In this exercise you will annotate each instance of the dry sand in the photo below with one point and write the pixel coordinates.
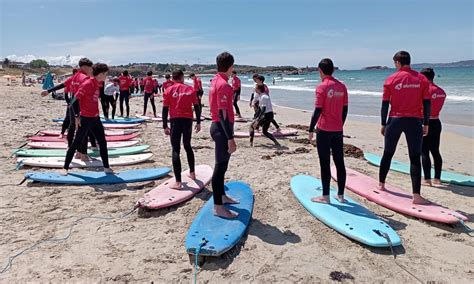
(284, 242)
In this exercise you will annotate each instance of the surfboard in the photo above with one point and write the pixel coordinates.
(107, 138)
(163, 196)
(221, 234)
(63, 145)
(117, 120)
(149, 117)
(281, 133)
(113, 152)
(52, 132)
(397, 199)
(58, 162)
(88, 177)
(446, 176)
(349, 218)
(115, 126)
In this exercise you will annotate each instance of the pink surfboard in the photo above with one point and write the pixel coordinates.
(281, 133)
(63, 145)
(52, 132)
(108, 138)
(396, 199)
(163, 196)
(116, 125)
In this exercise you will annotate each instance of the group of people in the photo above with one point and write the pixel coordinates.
(413, 99)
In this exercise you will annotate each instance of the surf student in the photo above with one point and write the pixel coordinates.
(222, 131)
(136, 85)
(197, 87)
(125, 83)
(432, 140)
(110, 90)
(167, 83)
(67, 98)
(236, 87)
(330, 112)
(260, 81)
(142, 85)
(150, 86)
(88, 96)
(406, 93)
(102, 98)
(178, 102)
(265, 115)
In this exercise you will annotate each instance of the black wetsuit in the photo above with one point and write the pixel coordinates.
(124, 96)
(236, 100)
(431, 144)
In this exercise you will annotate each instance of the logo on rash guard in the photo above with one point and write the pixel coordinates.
(435, 95)
(400, 86)
(175, 95)
(332, 93)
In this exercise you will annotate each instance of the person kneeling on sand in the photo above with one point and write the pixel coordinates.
(265, 115)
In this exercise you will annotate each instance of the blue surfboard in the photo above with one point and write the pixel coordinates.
(88, 177)
(113, 121)
(349, 218)
(221, 234)
(447, 177)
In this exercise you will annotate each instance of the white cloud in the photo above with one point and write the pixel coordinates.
(52, 60)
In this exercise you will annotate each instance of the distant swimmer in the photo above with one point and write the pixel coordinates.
(236, 87)
(406, 93)
(273, 81)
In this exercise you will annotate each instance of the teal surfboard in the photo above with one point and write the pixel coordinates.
(447, 177)
(212, 235)
(113, 152)
(349, 218)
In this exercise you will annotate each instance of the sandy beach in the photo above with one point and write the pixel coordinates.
(284, 242)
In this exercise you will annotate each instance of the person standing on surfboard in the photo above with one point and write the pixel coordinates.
(222, 131)
(125, 83)
(330, 114)
(178, 101)
(236, 86)
(432, 140)
(197, 87)
(88, 97)
(406, 93)
(149, 87)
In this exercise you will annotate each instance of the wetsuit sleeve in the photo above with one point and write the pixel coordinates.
(57, 87)
(384, 112)
(164, 115)
(315, 118)
(197, 112)
(426, 111)
(344, 113)
(251, 97)
(225, 123)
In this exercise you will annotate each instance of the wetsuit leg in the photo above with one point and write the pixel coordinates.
(267, 119)
(222, 158)
(425, 155)
(152, 101)
(187, 134)
(97, 131)
(275, 124)
(393, 130)
(175, 136)
(127, 98)
(80, 136)
(122, 98)
(323, 144)
(435, 130)
(413, 129)
(236, 106)
(72, 127)
(113, 103)
(105, 106)
(145, 103)
(66, 122)
(337, 149)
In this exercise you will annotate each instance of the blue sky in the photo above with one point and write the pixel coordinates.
(292, 32)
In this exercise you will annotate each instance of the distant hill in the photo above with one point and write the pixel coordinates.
(464, 63)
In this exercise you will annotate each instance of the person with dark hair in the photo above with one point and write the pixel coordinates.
(260, 81)
(197, 87)
(149, 88)
(264, 117)
(236, 86)
(110, 90)
(222, 131)
(406, 93)
(330, 113)
(142, 86)
(125, 83)
(88, 97)
(178, 102)
(432, 140)
(167, 83)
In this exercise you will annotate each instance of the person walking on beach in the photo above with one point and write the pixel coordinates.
(110, 90)
(329, 115)
(222, 131)
(125, 83)
(197, 87)
(406, 93)
(178, 102)
(236, 86)
(150, 86)
(89, 120)
(432, 140)
(264, 117)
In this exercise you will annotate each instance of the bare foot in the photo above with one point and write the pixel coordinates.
(426, 182)
(61, 136)
(192, 176)
(63, 172)
(229, 200)
(437, 181)
(221, 211)
(381, 186)
(176, 185)
(417, 199)
(109, 171)
(85, 158)
(322, 199)
(78, 156)
(340, 198)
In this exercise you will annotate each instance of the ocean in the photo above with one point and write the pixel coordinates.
(365, 93)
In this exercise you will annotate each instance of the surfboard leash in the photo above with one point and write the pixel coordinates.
(198, 250)
(51, 239)
(387, 237)
(466, 227)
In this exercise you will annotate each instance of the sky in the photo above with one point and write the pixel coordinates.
(354, 33)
